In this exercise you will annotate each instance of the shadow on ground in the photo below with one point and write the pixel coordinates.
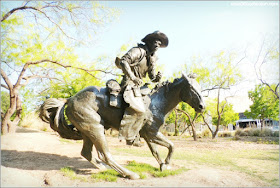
(30, 160)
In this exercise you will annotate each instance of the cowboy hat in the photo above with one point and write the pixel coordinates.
(157, 35)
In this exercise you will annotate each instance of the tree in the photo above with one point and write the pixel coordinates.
(266, 65)
(216, 77)
(227, 114)
(38, 40)
(265, 103)
(190, 117)
(5, 102)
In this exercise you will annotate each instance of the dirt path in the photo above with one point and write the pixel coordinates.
(34, 158)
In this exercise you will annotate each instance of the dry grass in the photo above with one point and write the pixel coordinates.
(33, 121)
(259, 161)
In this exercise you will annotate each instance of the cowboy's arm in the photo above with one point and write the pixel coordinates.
(129, 58)
(152, 73)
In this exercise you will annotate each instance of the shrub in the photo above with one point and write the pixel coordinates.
(206, 133)
(276, 134)
(248, 132)
(224, 134)
(198, 135)
(32, 120)
(236, 137)
(240, 132)
(256, 132)
(266, 132)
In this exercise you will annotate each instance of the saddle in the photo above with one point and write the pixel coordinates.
(116, 94)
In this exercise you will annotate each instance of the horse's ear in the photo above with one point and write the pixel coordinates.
(185, 77)
(192, 75)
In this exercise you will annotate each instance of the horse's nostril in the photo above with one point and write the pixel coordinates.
(200, 106)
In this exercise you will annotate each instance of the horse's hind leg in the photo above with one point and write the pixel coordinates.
(97, 136)
(87, 153)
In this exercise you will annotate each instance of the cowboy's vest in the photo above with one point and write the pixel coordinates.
(140, 63)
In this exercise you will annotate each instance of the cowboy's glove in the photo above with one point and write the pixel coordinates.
(158, 77)
(137, 81)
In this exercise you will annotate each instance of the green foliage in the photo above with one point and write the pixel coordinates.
(73, 82)
(265, 104)
(228, 116)
(5, 101)
(51, 33)
(216, 74)
(219, 73)
(171, 117)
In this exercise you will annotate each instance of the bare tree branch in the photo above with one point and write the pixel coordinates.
(28, 78)
(38, 10)
(4, 86)
(14, 10)
(270, 88)
(7, 80)
(207, 124)
(213, 88)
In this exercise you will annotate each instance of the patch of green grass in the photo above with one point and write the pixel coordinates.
(69, 172)
(140, 168)
(108, 175)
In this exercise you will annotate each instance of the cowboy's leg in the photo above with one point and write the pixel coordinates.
(131, 124)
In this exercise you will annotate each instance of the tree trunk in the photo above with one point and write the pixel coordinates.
(176, 133)
(217, 128)
(212, 133)
(194, 132)
(262, 122)
(219, 115)
(7, 125)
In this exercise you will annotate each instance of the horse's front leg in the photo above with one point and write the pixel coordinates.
(160, 139)
(153, 149)
(155, 137)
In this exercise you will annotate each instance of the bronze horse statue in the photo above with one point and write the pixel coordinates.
(90, 114)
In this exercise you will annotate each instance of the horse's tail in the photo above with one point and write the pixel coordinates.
(52, 112)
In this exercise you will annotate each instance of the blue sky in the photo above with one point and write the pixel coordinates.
(193, 28)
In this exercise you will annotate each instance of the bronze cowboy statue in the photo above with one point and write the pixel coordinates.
(131, 107)
(136, 64)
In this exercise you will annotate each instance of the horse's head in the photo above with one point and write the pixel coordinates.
(191, 93)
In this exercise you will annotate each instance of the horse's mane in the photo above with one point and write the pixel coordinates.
(167, 85)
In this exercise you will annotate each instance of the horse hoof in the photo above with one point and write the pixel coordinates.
(164, 166)
(133, 176)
